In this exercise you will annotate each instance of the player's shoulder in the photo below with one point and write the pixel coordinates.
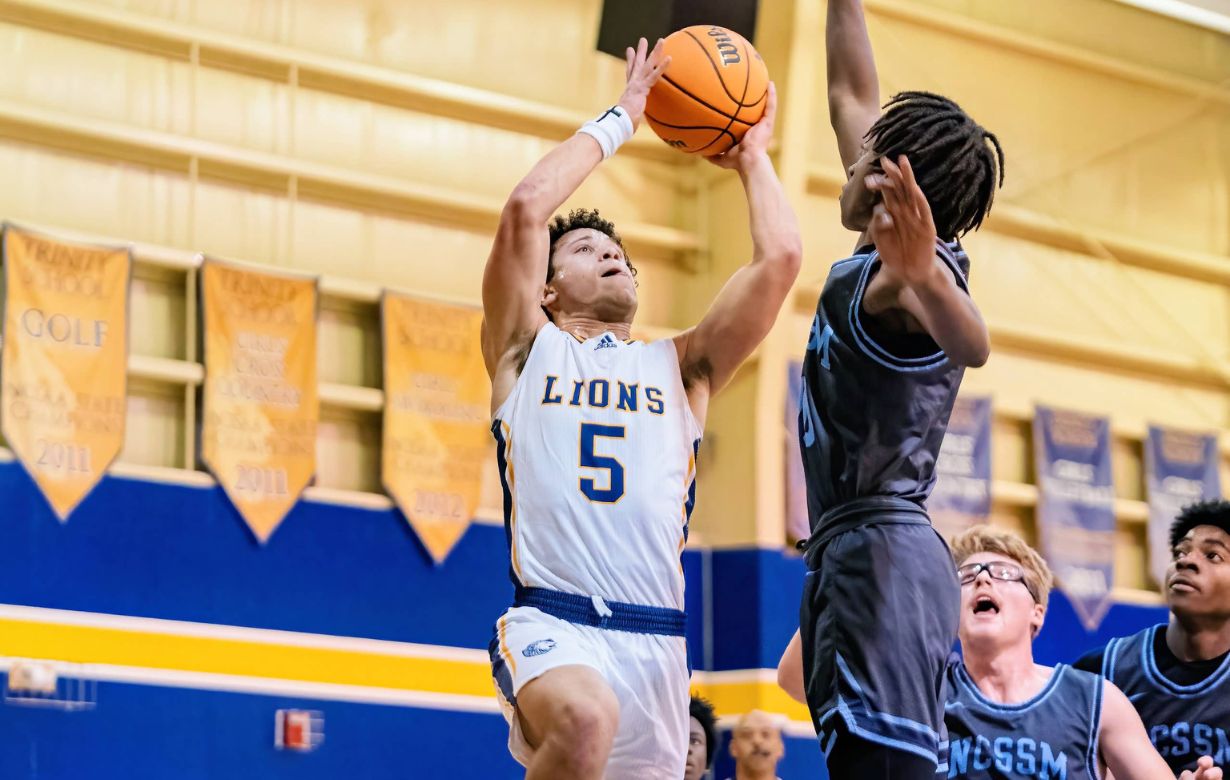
(1091, 662)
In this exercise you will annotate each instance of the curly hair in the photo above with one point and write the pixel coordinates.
(578, 219)
(1215, 513)
(959, 164)
(702, 710)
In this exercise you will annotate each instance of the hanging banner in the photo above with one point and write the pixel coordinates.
(798, 526)
(261, 407)
(437, 412)
(1076, 507)
(65, 362)
(961, 498)
(1180, 468)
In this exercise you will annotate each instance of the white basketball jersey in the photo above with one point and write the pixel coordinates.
(597, 452)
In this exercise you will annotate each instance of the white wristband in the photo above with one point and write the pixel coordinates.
(611, 130)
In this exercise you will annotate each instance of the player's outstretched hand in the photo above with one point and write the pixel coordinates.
(901, 223)
(755, 141)
(1204, 771)
(644, 69)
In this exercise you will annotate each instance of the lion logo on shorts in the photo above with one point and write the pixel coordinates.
(541, 647)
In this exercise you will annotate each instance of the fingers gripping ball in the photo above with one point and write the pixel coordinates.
(714, 89)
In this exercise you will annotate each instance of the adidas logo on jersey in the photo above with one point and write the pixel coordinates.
(606, 342)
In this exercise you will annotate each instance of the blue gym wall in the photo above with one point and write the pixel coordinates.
(168, 551)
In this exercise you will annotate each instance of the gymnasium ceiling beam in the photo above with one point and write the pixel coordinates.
(143, 33)
(277, 173)
(1043, 229)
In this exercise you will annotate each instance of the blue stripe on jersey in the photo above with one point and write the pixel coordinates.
(691, 502)
(873, 349)
(971, 688)
(1155, 676)
(501, 459)
(499, 669)
(1095, 729)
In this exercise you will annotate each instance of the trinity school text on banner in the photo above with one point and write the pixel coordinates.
(261, 405)
(65, 361)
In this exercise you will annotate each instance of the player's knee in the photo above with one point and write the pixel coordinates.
(585, 729)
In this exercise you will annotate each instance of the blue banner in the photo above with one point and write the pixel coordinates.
(1180, 468)
(962, 495)
(797, 525)
(1076, 507)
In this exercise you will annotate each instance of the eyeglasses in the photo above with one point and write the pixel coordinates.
(999, 570)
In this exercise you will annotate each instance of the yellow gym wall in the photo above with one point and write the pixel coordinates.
(373, 142)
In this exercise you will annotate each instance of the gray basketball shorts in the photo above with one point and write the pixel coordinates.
(878, 621)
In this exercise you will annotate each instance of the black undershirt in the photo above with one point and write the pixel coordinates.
(1177, 671)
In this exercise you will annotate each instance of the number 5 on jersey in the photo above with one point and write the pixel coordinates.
(591, 435)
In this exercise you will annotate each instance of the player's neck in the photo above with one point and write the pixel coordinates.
(743, 773)
(1192, 639)
(588, 327)
(1007, 675)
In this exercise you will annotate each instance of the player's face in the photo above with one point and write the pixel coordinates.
(695, 768)
(757, 744)
(857, 201)
(1198, 578)
(592, 278)
(997, 610)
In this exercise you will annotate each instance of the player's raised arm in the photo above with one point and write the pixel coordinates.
(747, 306)
(516, 269)
(853, 87)
(905, 236)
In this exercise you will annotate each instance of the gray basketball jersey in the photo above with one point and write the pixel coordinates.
(1053, 736)
(871, 419)
(1185, 722)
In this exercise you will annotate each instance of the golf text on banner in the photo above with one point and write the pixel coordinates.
(437, 412)
(962, 495)
(65, 361)
(1076, 507)
(1180, 468)
(261, 406)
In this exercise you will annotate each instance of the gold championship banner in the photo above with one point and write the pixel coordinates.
(436, 417)
(261, 407)
(65, 362)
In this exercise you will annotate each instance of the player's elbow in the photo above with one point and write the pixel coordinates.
(974, 355)
(783, 261)
(524, 207)
(792, 259)
(790, 680)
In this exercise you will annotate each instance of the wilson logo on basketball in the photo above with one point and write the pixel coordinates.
(725, 46)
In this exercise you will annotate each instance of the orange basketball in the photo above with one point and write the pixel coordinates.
(714, 89)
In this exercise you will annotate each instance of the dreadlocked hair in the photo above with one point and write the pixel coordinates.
(957, 162)
(1215, 512)
(576, 220)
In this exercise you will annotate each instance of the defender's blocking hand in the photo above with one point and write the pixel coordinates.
(901, 224)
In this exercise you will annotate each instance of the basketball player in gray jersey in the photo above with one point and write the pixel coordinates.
(895, 328)
(1178, 675)
(1009, 717)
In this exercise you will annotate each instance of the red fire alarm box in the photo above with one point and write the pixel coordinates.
(301, 730)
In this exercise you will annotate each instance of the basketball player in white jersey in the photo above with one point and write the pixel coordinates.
(597, 436)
